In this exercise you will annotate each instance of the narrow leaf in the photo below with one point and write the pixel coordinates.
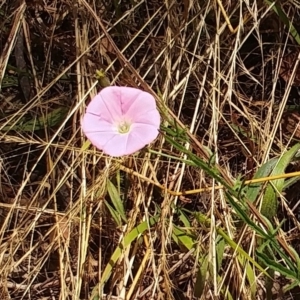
(116, 200)
(284, 18)
(128, 239)
(49, 120)
(270, 202)
(114, 214)
(220, 247)
(276, 266)
(183, 238)
(201, 277)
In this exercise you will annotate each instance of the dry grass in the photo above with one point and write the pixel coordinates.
(229, 79)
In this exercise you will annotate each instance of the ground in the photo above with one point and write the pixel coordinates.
(180, 219)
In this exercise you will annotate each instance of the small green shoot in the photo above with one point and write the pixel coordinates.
(118, 212)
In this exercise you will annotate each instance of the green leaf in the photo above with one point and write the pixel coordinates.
(114, 214)
(232, 243)
(294, 283)
(220, 247)
(274, 166)
(284, 18)
(116, 200)
(267, 235)
(239, 250)
(253, 189)
(270, 202)
(201, 277)
(250, 274)
(184, 219)
(272, 232)
(296, 256)
(290, 181)
(49, 120)
(276, 266)
(181, 237)
(128, 239)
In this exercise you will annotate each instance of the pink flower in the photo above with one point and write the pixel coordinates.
(121, 120)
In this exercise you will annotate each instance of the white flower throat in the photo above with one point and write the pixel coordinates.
(124, 127)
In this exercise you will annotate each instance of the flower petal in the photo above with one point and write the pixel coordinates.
(97, 130)
(128, 96)
(125, 144)
(151, 118)
(117, 146)
(140, 105)
(107, 104)
(142, 134)
(116, 104)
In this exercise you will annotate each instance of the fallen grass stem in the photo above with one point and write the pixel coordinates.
(207, 189)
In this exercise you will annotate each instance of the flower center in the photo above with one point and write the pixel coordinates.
(123, 127)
